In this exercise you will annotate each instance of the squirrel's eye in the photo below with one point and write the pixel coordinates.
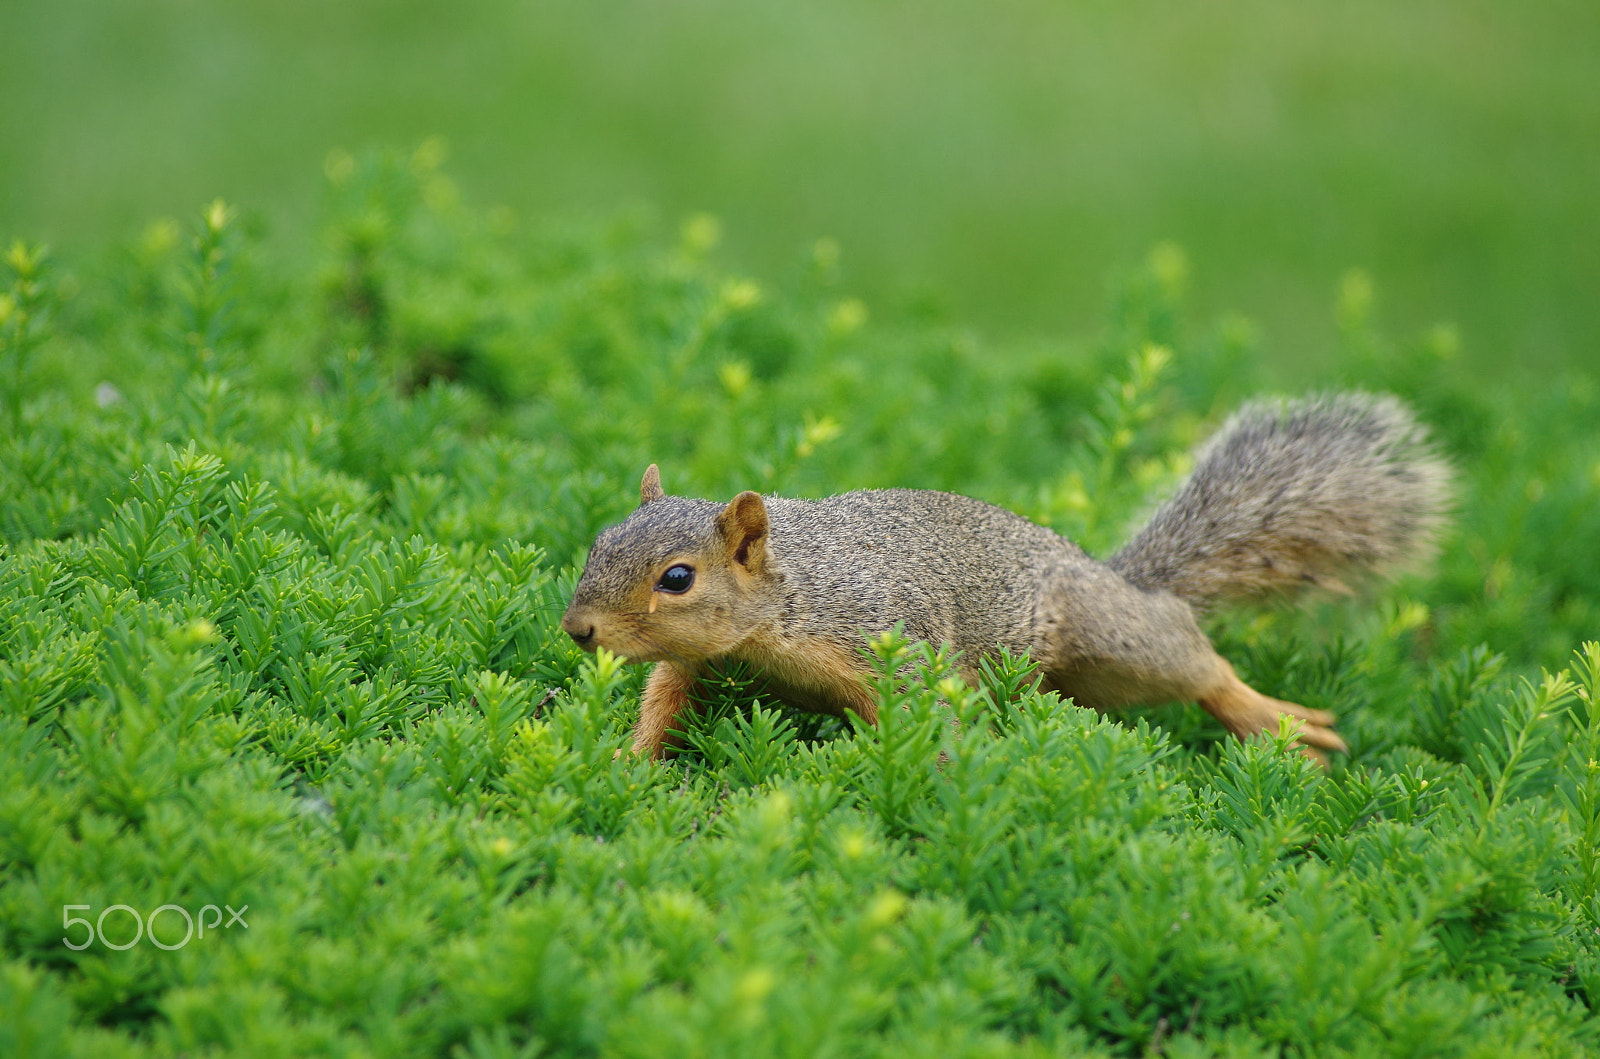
(677, 579)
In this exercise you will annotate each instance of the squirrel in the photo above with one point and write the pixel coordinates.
(1285, 496)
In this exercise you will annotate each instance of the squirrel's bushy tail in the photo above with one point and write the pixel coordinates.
(1292, 495)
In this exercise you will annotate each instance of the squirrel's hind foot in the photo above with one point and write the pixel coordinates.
(1245, 712)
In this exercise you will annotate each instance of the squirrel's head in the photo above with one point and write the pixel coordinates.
(680, 580)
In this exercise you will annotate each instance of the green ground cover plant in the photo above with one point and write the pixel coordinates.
(295, 759)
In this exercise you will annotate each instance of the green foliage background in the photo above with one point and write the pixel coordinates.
(989, 163)
(285, 550)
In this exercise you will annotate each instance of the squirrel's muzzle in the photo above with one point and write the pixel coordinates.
(579, 627)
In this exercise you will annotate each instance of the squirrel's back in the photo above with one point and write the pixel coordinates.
(952, 568)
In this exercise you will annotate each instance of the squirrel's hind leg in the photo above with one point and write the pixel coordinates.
(1108, 645)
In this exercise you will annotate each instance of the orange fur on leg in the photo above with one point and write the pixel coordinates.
(666, 693)
(1244, 711)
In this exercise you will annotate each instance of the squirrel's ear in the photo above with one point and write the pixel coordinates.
(650, 488)
(743, 524)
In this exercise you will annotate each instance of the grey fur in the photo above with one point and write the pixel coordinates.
(1290, 495)
(865, 560)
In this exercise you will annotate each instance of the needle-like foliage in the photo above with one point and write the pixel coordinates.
(282, 561)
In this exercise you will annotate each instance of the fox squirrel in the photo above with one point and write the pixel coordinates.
(1285, 496)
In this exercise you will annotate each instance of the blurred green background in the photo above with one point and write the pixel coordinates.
(996, 164)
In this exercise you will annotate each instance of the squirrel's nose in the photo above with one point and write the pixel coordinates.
(580, 629)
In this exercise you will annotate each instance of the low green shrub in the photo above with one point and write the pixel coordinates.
(295, 759)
